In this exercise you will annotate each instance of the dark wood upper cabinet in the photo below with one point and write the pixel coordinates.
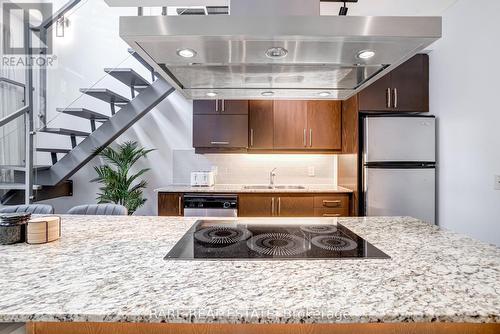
(290, 124)
(205, 107)
(220, 131)
(324, 125)
(406, 88)
(213, 107)
(376, 97)
(234, 107)
(261, 124)
(410, 85)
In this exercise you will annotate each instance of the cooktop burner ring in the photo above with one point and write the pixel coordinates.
(334, 243)
(220, 235)
(277, 244)
(319, 229)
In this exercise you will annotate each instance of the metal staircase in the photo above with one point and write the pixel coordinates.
(52, 181)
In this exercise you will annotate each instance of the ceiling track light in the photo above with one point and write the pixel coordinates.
(343, 10)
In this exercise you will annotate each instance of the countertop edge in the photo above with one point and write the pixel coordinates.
(239, 189)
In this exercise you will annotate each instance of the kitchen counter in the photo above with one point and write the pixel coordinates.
(240, 188)
(111, 269)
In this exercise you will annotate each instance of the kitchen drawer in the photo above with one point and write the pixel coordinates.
(331, 212)
(331, 201)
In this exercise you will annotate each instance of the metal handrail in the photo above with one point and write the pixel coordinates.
(14, 115)
(12, 82)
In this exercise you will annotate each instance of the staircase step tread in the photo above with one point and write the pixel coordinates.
(84, 113)
(140, 60)
(21, 168)
(65, 132)
(129, 77)
(105, 95)
(53, 150)
(19, 186)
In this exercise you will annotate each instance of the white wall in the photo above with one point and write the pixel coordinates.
(464, 95)
(92, 43)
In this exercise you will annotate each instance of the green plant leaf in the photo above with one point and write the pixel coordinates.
(116, 178)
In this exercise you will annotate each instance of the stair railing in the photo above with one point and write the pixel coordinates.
(28, 110)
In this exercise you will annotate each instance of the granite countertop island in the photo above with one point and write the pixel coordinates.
(111, 269)
(240, 188)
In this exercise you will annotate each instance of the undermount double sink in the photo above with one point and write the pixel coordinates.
(262, 187)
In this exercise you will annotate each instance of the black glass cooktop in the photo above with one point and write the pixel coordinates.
(268, 239)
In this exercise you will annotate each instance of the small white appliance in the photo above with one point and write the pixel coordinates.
(202, 179)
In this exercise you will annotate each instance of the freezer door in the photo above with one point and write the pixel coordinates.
(401, 192)
(399, 139)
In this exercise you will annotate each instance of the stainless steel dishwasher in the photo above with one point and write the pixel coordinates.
(210, 205)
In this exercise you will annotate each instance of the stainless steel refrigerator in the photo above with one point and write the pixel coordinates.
(399, 166)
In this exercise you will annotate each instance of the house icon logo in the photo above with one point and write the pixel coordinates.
(23, 25)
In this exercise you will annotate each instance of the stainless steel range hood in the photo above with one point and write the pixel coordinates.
(276, 57)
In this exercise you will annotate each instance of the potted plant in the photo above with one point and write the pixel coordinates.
(119, 185)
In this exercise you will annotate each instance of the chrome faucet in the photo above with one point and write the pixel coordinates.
(272, 176)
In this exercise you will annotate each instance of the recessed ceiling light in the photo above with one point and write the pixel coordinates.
(324, 94)
(268, 93)
(211, 94)
(276, 52)
(366, 54)
(186, 53)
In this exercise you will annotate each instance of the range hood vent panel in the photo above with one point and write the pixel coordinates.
(270, 76)
(320, 53)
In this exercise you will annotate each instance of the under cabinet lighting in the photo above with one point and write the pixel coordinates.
(269, 93)
(211, 94)
(324, 94)
(186, 53)
(366, 54)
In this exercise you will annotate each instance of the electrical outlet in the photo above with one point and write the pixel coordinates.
(310, 171)
(497, 182)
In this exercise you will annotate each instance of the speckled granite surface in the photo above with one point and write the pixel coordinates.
(112, 269)
(239, 188)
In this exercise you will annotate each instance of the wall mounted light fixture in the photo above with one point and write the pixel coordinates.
(61, 24)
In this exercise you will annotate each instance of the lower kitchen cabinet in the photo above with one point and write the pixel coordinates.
(256, 205)
(170, 204)
(293, 205)
(331, 205)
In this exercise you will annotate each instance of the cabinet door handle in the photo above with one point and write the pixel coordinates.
(388, 98)
(223, 105)
(272, 206)
(395, 97)
(251, 137)
(216, 105)
(279, 206)
(332, 203)
(331, 215)
(219, 142)
(180, 205)
(305, 138)
(310, 137)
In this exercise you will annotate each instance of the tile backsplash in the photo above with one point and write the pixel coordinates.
(255, 168)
